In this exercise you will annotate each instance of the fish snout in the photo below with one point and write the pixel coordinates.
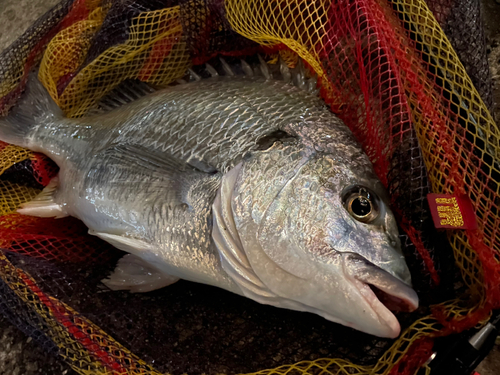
(383, 292)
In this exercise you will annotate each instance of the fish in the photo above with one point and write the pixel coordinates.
(245, 182)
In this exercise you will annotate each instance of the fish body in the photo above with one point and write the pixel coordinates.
(245, 183)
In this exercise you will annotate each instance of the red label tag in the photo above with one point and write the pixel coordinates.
(452, 212)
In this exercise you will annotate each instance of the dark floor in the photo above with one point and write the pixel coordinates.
(19, 355)
(491, 12)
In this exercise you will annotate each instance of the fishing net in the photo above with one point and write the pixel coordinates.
(385, 67)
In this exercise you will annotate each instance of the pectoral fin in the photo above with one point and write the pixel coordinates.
(135, 173)
(134, 274)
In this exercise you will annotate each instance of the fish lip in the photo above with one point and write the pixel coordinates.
(366, 274)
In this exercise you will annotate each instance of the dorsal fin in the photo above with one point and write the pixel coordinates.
(131, 90)
(226, 67)
(125, 93)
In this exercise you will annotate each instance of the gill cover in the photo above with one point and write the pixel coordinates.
(277, 229)
(235, 233)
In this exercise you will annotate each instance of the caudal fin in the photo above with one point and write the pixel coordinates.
(34, 108)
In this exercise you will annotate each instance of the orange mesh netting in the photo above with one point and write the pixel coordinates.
(384, 66)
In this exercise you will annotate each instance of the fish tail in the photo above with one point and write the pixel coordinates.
(34, 108)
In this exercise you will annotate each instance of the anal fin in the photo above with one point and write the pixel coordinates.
(43, 205)
(134, 274)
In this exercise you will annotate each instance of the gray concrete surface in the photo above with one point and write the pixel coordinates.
(17, 15)
(491, 12)
(19, 355)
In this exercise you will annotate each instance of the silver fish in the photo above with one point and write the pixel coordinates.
(246, 183)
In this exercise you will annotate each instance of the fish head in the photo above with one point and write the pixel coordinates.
(319, 236)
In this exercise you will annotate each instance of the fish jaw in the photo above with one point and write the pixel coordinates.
(265, 253)
(367, 278)
(338, 289)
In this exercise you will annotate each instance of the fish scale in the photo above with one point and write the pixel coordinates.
(178, 179)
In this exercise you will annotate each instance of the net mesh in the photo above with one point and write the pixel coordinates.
(384, 66)
(462, 23)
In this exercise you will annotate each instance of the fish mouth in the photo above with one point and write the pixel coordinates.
(383, 292)
(393, 303)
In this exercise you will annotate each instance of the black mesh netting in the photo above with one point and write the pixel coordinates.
(463, 24)
(195, 328)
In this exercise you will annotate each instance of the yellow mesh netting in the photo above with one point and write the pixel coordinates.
(13, 194)
(154, 53)
(257, 20)
(72, 333)
(27, 52)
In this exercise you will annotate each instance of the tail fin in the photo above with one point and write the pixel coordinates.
(35, 108)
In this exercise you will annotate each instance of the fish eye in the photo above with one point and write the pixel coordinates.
(361, 203)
